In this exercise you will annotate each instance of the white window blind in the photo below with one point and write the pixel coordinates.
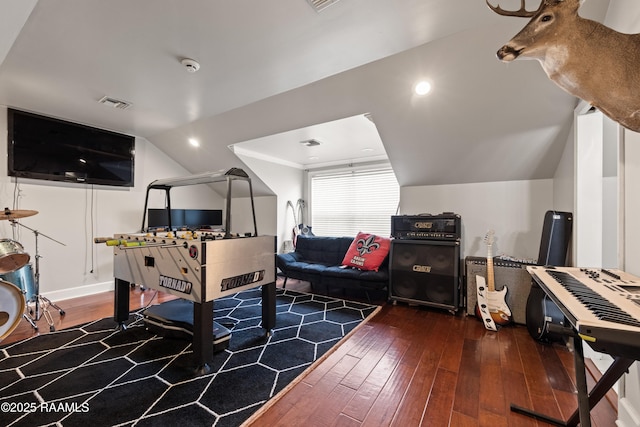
(344, 203)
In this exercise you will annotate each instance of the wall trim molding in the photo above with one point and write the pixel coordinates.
(79, 291)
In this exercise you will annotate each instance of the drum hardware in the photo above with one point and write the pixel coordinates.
(12, 305)
(41, 303)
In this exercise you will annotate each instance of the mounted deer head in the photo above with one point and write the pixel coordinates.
(583, 57)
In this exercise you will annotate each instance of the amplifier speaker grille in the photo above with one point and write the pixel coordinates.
(513, 275)
(425, 273)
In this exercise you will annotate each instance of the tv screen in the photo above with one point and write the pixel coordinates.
(202, 218)
(41, 147)
(159, 218)
(193, 219)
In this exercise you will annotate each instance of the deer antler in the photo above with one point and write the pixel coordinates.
(523, 12)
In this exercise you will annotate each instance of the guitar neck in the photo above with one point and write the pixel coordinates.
(491, 286)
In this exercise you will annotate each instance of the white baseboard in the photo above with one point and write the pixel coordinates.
(79, 291)
(627, 415)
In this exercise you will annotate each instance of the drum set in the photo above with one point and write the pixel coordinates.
(19, 283)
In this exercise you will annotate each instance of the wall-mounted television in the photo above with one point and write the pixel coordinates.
(42, 147)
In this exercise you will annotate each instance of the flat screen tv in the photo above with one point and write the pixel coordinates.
(41, 147)
(202, 218)
(159, 218)
(193, 219)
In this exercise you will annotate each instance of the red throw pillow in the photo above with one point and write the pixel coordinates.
(367, 251)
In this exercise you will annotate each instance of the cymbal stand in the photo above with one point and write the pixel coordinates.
(41, 302)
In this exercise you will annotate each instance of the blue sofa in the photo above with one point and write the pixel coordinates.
(318, 260)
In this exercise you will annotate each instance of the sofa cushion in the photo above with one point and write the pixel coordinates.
(367, 252)
(307, 267)
(342, 272)
(325, 250)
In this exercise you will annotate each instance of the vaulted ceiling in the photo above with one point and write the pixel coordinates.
(271, 67)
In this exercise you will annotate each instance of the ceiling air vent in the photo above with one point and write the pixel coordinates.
(310, 142)
(115, 103)
(320, 5)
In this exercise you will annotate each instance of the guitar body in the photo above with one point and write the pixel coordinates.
(498, 308)
(495, 300)
(303, 228)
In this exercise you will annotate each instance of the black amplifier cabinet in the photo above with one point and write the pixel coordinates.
(425, 272)
(445, 226)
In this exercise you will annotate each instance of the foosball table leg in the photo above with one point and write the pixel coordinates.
(121, 303)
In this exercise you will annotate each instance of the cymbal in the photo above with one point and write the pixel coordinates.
(16, 214)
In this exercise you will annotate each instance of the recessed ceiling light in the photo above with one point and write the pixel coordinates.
(314, 158)
(422, 88)
(194, 142)
(367, 150)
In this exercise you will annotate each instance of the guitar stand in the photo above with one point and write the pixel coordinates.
(586, 400)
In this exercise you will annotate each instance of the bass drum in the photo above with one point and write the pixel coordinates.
(540, 313)
(12, 306)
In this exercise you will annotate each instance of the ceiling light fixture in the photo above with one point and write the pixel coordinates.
(194, 142)
(422, 88)
(190, 64)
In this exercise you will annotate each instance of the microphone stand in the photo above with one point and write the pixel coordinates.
(41, 302)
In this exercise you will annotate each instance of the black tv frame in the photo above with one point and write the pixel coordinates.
(125, 154)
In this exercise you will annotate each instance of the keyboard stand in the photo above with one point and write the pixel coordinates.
(586, 400)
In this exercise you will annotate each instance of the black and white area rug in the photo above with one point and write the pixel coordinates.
(94, 375)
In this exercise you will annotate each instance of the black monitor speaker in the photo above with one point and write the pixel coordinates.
(425, 272)
(556, 235)
(541, 312)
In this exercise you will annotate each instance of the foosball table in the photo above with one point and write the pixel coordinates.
(199, 267)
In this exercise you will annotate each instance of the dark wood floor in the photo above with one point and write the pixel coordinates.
(408, 366)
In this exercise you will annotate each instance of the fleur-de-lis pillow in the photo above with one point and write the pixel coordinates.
(367, 251)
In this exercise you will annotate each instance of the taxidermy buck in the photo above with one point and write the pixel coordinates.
(583, 57)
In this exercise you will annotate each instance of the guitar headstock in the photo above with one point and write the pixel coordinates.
(489, 237)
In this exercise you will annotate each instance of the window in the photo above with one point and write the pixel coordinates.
(346, 202)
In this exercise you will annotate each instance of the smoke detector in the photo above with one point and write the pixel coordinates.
(191, 65)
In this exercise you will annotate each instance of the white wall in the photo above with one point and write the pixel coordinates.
(514, 209)
(75, 213)
(287, 183)
(563, 180)
(624, 16)
(242, 218)
(629, 415)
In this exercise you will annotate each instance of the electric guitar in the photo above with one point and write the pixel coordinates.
(294, 230)
(496, 300)
(303, 228)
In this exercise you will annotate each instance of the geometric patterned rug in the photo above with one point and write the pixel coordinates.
(95, 375)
